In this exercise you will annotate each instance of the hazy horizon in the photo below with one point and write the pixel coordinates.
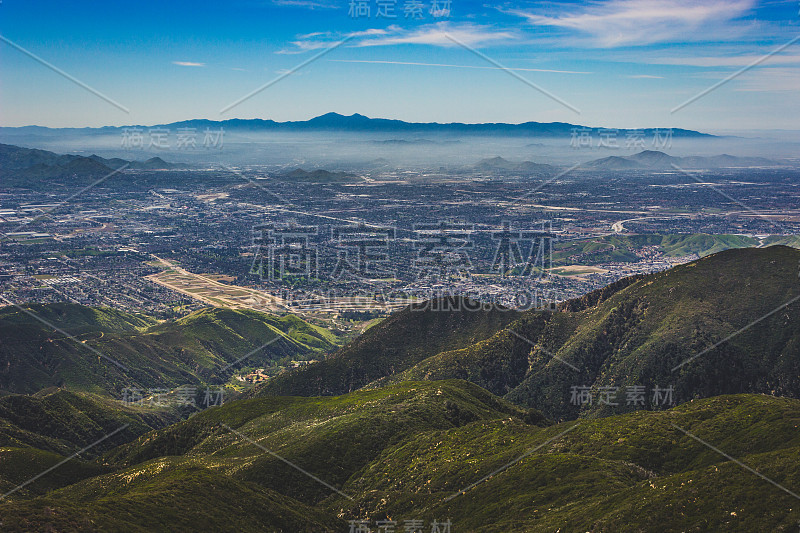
(708, 65)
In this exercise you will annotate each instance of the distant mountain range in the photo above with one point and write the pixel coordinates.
(655, 160)
(361, 123)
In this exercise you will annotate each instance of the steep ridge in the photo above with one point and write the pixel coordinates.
(399, 342)
(713, 326)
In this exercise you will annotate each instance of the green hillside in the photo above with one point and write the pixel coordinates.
(171, 496)
(618, 248)
(451, 410)
(37, 432)
(117, 350)
(64, 422)
(76, 319)
(443, 450)
(652, 333)
(159, 480)
(322, 434)
(786, 240)
(635, 332)
(636, 472)
(19, 467)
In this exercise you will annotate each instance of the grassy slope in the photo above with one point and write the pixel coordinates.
(18, 466)
(334, 437)
(168, 496)
(64, 421)
(498, 364)
(189, 351)
(170, 478)
(39, 432)
(635, 472)
(401, 451)
(638, 335)
(75, 319)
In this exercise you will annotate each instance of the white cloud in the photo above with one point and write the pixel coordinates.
(637, 22)
(306, 45)
(314, 34)
(374, 31)
(437, 35)
(188, 64)
(431, 34)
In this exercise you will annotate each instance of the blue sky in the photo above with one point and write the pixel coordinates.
(615, 63)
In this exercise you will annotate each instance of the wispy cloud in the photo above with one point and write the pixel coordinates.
(414, 63)
(645, 77)
(320, 40)
(429, 34)
(188, 64)
(312, 35)
(437, 35)
(640, 22)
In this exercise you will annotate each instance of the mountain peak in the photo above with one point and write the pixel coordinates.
(329, 115)
(339, 117)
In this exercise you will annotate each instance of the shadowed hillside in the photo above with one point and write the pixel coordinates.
(714, 326)
(399, 342)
